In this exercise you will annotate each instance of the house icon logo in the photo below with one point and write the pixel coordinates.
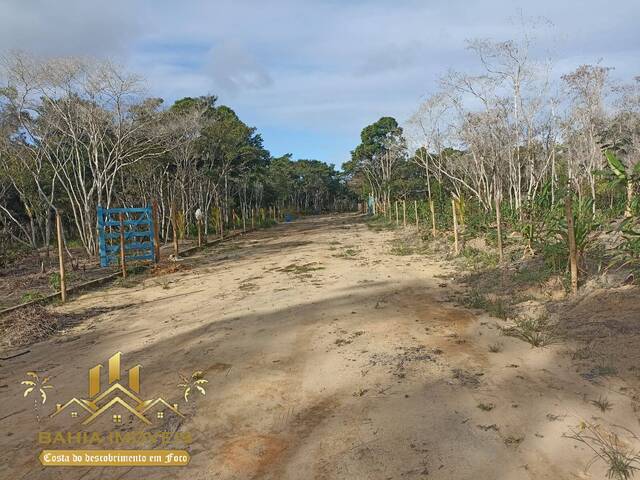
(116, 398)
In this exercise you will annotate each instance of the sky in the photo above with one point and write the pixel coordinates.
(311, 74)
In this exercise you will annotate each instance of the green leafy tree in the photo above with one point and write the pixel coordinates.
(382, 147)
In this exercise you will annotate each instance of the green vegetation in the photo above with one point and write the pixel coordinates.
(539, 332)
(496, 307)
(519, 162)
(30, 296)
(479, 260)
(106, 144)
(622, 461)
(54, 281)
(603, 404)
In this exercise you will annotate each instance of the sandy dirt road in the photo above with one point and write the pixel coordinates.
(327, 358)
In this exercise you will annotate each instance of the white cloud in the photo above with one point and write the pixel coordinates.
(328, 67)
(234, 68)
(69, 27)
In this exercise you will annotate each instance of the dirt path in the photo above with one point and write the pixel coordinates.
(327, 358)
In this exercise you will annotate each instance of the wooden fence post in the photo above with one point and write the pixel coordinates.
(205, 235)
(415, 211)
(174, 224)
(63, 287)
(571, 238)
(499, 227)
(455, 227)
(433, 218)
(244, 220)
(404, 214)
(156, 232)
(397, 218)
(122, 243)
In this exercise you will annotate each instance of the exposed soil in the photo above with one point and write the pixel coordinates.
(328, 357)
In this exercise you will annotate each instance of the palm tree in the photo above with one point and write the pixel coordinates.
(37, 384)
(196, 381)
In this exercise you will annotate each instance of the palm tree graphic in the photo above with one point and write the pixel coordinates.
(194, 382)
(36, 385)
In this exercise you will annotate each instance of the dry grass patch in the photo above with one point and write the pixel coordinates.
(301, 269)
(622, 461)
(168, 269)
(31, 324)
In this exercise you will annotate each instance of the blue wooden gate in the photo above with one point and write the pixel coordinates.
(138, 234)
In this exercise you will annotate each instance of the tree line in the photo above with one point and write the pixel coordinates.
(516, 138)
(76, 133)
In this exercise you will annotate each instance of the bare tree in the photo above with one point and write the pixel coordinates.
(86, 119)
(586, 118)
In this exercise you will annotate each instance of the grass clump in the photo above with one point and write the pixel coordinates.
(495, 347)
(539, 332)
(30, 296)
(602, 403)
(379, 223)
(622, 461)
(479, 260)
(532, 276)
(401, 247)
(495, 307)
(486, 407)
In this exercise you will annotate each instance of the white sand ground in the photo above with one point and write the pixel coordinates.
(327, 358)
